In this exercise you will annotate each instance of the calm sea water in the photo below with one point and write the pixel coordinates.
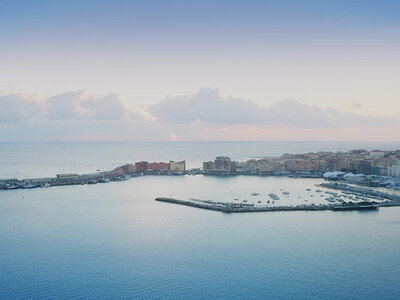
(112, 241)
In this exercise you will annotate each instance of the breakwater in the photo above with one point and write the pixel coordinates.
(241, 208)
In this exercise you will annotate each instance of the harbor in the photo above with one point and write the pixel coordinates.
(291, 195)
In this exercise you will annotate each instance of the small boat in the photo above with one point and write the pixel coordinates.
(46, 185)
(308, 190)
(285, 192)
(267, 201)
(29, 186)
(254, 193)
(12, 187)
(273, 196)
(258, 201)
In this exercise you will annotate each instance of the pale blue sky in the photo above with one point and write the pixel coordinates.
(340, 54)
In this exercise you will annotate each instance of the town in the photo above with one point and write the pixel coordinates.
(376, 162)
(370, 168)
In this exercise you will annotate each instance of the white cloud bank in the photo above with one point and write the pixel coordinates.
(205, 115)
(14, 108)
(209, 106)
(69, 105)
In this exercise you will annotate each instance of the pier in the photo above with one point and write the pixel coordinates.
(242, 208)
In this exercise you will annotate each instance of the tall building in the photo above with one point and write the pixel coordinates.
(222, 164)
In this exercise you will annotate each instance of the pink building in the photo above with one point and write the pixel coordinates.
(158, 166)
(141, 166)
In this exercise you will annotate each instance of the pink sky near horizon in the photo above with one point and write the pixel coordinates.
(206, 115)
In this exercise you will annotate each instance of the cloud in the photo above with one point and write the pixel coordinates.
(72, 105)
(209, 106)
(66, 106)
(14, 108)
(205, 115)
(293, 113)
(105, 108)
(205, 105)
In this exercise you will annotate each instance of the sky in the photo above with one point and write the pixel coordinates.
(199, 70)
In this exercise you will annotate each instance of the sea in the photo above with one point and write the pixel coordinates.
(114, 241)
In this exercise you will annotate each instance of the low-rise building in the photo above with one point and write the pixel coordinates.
(67, 176)
(376, 154)
(118, 171)
(158, 166)
(128, 168)
(240, 166)
(208, 166)
(141, 166)
(177, 166)
(291, 164)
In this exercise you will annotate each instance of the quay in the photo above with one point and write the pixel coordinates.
(361, 191)
(241, 208)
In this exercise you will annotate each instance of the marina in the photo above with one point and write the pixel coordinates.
(296, 195)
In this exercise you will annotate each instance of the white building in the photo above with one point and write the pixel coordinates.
(394, 171)
(357, 178)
